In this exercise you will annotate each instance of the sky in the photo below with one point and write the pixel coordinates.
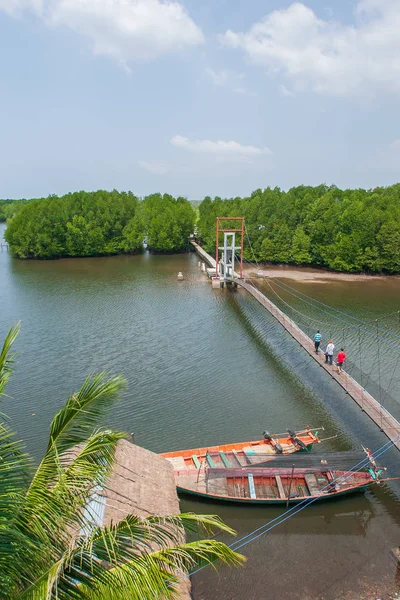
(197, 97)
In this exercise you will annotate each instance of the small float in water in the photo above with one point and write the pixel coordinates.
(243, 454)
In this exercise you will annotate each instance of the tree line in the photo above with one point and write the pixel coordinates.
(343, 230)
(8, 208)
(99, 223)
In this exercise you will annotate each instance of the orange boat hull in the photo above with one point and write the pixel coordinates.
(240, 454)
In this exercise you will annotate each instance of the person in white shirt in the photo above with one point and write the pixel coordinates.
(330, 349)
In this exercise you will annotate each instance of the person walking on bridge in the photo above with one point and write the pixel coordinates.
(317, 341)
(330, 349)
(341, 357)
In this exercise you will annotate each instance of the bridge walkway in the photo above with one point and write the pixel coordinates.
(385, 421)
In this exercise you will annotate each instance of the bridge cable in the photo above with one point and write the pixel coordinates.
(392, 371)
(354, 326)
(309, 321)
(332, 308)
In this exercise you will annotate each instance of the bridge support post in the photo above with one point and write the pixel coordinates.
(225, 264)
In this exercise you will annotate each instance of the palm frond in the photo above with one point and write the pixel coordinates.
(57, 504)
(50, 545)
(7, 359)
(15, 472)
(140, 580)
(73, 424)
(43, 588)
(55, 501)
(157, 574)
(192, 523)
(123, 557)
(133, 535)
(81, 413)
(14, 479)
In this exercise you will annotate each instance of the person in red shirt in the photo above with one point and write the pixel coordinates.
(341, 357)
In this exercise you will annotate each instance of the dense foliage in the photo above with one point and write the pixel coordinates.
(8, 208)
(52, 545)
(99, 223)
(167, 222)
(344, 230)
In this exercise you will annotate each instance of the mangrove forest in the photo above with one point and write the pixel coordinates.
(343, 230)
(99, 223)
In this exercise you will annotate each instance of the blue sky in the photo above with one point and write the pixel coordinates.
(197, 97)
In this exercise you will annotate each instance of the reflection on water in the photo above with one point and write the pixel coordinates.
(203, 367)
(329, 551)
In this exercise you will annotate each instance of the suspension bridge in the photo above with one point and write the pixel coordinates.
(223, 273)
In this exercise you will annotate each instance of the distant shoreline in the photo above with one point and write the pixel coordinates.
(310, 274)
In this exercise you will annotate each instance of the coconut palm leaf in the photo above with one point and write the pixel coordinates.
(134, 534)
(137, 558)
(55, 506)
(81, 413)
(7, 359)
(44, 587)
(158, 574)
(15, 472)
(73, 424)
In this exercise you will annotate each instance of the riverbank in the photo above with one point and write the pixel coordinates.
(310, 274)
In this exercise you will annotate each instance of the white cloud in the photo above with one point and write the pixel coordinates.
(395, 145)
(325, 55)
(123, 29)
(285, 91)
(228, 78)
(218, 77)
(154, 167)
(219, 147)
(17, 7)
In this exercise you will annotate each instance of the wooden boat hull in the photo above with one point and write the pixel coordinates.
(242, 454)
(272, 485)
(263, 501)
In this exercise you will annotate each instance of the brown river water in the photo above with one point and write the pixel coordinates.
(207, 366)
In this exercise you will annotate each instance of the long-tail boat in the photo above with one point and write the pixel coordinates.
(242, 454)
(268, 485)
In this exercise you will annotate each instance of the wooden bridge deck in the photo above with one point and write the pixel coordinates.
(204, 255)
(381, 417)
(385, 421)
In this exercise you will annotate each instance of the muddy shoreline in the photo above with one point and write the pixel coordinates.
(310, 274)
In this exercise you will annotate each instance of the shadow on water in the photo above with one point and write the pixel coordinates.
(327, 548)
(327, 400)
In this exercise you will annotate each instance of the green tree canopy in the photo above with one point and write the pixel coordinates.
(168, 222)
(343, 230)
(8, 208)
(99, 223)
